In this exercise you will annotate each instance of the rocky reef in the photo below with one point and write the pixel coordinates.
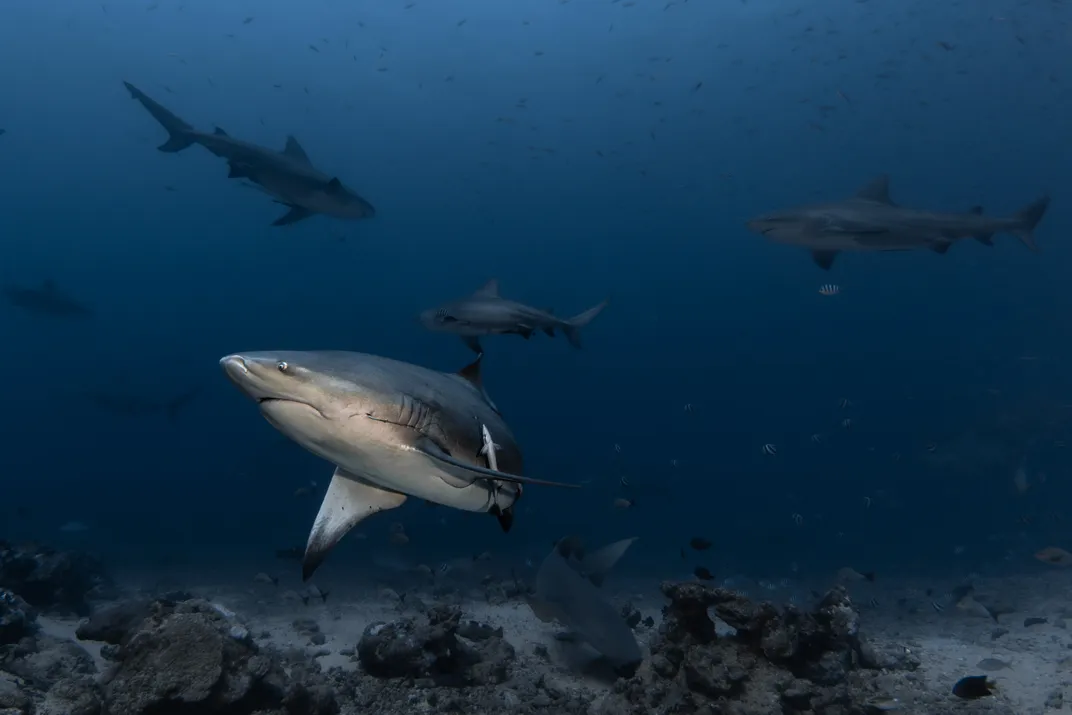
(714, 653)
(60, 581)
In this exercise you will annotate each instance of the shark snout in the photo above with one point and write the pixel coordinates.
(244, 373)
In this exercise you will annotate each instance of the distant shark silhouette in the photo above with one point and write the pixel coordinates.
(288, 176)
(870, 221)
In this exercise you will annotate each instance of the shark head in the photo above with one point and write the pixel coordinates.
(392, 429)
(787, 226)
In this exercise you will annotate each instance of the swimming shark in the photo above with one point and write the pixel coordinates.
(392, 429)
(567, 591)
(870, 221)
(288, 176)
(47, 299)
(485, 312)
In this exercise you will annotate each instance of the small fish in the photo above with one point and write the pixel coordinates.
(884, 705)
(623, 503)
(829, 289)
(770, 450)
(973, 687)
(700, 543)
(1054, 556)
(265, 578)
(938, 608)
(703, 574)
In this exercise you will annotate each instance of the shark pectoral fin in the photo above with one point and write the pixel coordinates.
(545, 611)
(505, 517)
(987, 239)
(824, 259)
(296, 213)
(335, 186)
(294, 151)
(525, 332)
(474, 344)
(346, 503)
(433, 450)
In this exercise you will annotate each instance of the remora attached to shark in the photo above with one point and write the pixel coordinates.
(567, 591)
(288, 176)
(392, 429)
(870, 221)
(485, 312)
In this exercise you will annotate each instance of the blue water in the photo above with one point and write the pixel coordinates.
(595, 169)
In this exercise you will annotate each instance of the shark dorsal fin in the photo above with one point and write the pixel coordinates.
(335, 186)
(471, 373)
(490, 289)
(294, 150)
(878, 189)
(219, 132)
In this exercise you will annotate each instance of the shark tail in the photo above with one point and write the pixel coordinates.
(180, 134)
(572, 327)
(1027, 219)
(175, 406)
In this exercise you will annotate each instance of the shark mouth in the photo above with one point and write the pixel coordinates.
(262, 401)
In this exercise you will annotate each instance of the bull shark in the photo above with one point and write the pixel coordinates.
(288, 176)
(567, 591)
(47, 299)
(392, 430)
(485, 312)
(870, 221)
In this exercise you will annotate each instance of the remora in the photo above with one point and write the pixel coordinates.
(288, 176)
(870, 221)
(391, 428)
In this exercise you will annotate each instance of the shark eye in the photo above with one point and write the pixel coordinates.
(282, 366)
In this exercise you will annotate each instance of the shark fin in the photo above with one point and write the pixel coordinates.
(180, 134)
(489, 290)
(220, 133)
(550, 330)
(1027, 218)
(525, 332)
(472, 375)
(335, 186)
(474, 344)
(571, 328)
(941, 247)
(347, 503)
(987, 239)
(824, 259)
(505, 517)
(296, 213)
(434, 451)
(294, 151)
(598, 564)
(878, 190)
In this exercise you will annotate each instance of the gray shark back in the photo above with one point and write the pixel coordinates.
(582, 607)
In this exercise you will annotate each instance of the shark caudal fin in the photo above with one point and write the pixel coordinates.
(1026, 220)
(572, 327)
(180, 134)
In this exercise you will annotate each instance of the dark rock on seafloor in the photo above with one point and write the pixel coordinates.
(778, 661)
(194, 656)
(52, 580)
(111, 623)
(17, 618)
(433, 648)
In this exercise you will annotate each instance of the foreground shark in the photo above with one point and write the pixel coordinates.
(567, 591)
(486, 313)
(870, 221)
(288, 176)
(47, 299)
(392, 429)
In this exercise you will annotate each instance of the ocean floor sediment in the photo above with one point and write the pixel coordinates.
(74, 641)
